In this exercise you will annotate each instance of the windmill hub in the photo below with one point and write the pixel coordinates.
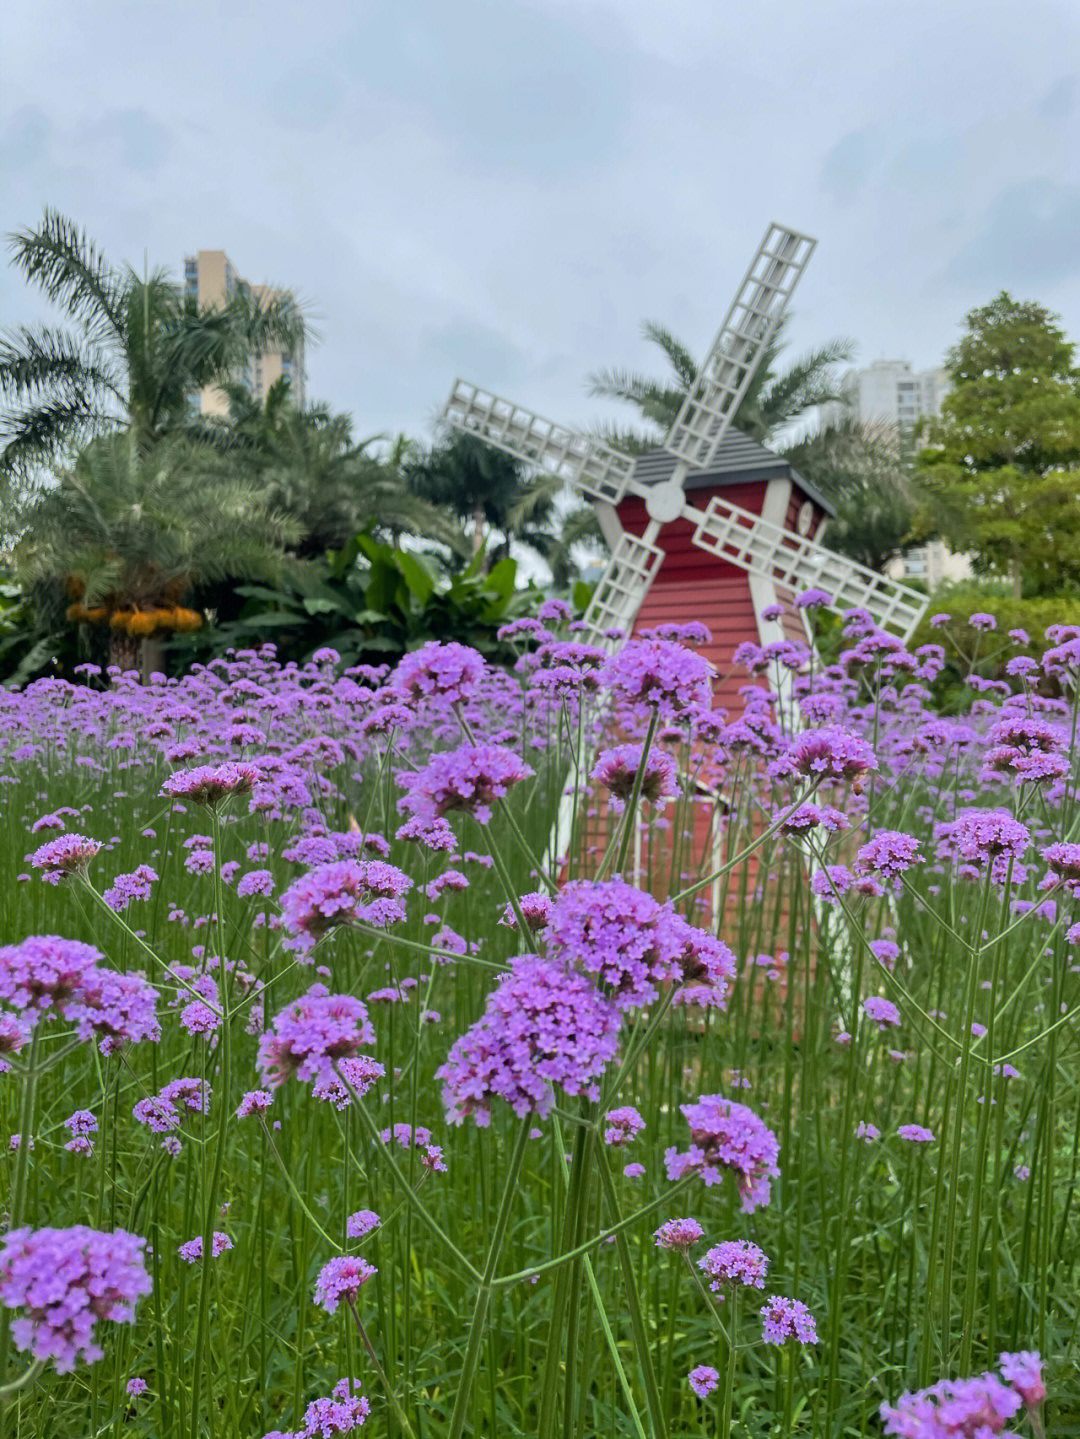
(665, 502)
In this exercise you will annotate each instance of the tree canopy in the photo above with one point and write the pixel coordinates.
(1003, 463)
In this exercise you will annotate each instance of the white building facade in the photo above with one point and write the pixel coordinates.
(892, 392)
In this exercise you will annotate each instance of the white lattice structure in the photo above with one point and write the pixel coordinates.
(777, 559)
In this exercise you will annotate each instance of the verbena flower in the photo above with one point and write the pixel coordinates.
(346, 892)
(617, 770)
(118, 1009)
(193, 1249)
(1024, 1372)
(212, 784)
(65, 1280)
(954, 1409)
(468, 779)
(68, 855)
(535, 906)
(658, 673)
(916, 1133)
(342, 1278)
(827, 754)
(253, 1101)
(128, 887)
(340, 1413)
(617, 933)
(135, 1386)
(882, 1011)
(678, 1234)
(362, 1223)
(45, 972)
(543, 1025)
(727, 1136)
(735, 1261)
(703, 1380)
(623, 1125)
(784, 1319)
(890, 854)
(448, 672)
(308, 1037)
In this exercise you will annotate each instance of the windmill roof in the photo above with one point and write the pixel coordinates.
(739, 460)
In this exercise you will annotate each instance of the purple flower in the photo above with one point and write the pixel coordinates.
(467, 779)
(128, 887)
(916, 1134)
(193, 1249)
(726, 1135)
(311, 1035)
(889, 853)
(785, 1319)
(157, 1114)
(703, 1380)
(882, 1011)
(449, 672)
(735, 1261)
(256, 881)
(70, 854)
(135, 1386)
(346, 892)
(814, 600)
(657, 672)
(535, 906)
(867, 1132)
(211, 784)
(624, 1125)
(954, 1409)
(829, 754)
(810, 816)
(618, 933)
(980, 620)
(83, 1121)
(1063, 859)
(45, 972)
(66, 1280)
(633, 1171)
(253, 1101)
(617, 770)
(362, 1223)
(118, 1008)
(678, 1234)
(14, 1032)
(980, 836)
(543, 1025)
(1024, 1372)
(340, 1279)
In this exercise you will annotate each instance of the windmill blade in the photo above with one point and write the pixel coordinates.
(598, 472)
(724, 378)
(796, 563)
(622, 587)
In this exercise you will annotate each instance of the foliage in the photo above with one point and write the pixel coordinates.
(1003, 463)
(372, 602)
(139, 349)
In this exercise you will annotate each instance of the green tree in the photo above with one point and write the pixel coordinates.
(311, 469)
(137, 350)
(862, 468)
(1003, 463)
(773, 400)
(129, 534)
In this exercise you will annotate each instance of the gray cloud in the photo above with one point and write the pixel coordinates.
(139, 141)
(1028, 237)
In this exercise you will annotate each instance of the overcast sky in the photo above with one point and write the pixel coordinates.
(505, 189)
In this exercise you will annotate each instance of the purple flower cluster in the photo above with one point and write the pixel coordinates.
(447, 672)
(678, 1234)
(346, 892)
(65, 1280)
(340, 1412)
(975, 1408)
(890, 853)
(468, 779)
(313, 1033)
(828, 754)
(727, 1136)
(618, 769)
(543, 1025)
(46, 974)
(784, 1319)
(212, 784)
(735, 1261)
(623, 1125)
(192, 1251)
(340, 1279)
(68, 855)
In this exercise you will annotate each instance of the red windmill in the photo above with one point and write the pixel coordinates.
(711, 526)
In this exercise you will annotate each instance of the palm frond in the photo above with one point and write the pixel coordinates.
(682, 361)
(71, 271)
(36, 360)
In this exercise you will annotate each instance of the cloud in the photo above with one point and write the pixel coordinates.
(1058, 100)
(1028, 238)
(847, 165)
(25, 140)
(139, 141)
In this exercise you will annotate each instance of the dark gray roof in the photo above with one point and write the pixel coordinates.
(740, 459)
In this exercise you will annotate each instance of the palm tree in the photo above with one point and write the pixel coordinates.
(139, 349)
(310, 469)
(129, 533)
(490, 490)
(772, 401)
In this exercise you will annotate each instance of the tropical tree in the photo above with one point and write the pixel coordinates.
(865, 470)
(493, 493)
(773, 400)
(1003, 463)
(311, 469)
(136, 351)
(129, 533)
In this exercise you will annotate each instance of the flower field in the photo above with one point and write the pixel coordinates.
(359, 1075)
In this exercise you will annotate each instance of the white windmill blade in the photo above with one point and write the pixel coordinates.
(724, 378)
(600, 472)
(797, 563)
(621, 588)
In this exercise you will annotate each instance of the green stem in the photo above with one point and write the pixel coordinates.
(399, 1413)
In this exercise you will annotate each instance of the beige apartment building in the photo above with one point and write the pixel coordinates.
(211, 277)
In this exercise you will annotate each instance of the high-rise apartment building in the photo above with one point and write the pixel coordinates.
(210, 276)
(893, 393)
